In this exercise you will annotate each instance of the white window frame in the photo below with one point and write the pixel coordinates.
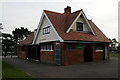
(99, 50)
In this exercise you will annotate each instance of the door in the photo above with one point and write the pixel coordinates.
(57, 56)
(34, 52)
(87, 54)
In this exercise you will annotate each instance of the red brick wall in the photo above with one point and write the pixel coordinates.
(71, 56)
(77, 56)
(22, 54)
(47, 56)
(67, 56)
(97, 56)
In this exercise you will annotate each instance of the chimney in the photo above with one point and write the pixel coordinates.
(67, 9)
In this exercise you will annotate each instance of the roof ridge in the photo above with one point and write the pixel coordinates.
(52, 12)
(61, 13)
(77, 11)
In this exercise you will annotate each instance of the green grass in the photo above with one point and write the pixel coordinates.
(11, 72)
(115, 55)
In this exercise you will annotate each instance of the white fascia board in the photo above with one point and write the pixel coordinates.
(74, 22)
(88, 23)
(85, 20)
(61, 40)
(38, 28)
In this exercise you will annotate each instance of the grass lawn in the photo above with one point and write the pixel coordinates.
(10, 72)
(115, 55)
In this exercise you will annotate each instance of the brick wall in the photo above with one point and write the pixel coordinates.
(97, 56)
(47, 56)
(71, 56)
(77, 56)
(67, 56)
(22, 54)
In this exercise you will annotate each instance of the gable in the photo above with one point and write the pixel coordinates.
(46, 37)
(85, 25)
(85, 19)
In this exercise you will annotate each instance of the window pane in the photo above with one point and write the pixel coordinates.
(48, 29)
(45, 30)
(47, 47)
(79, 26)
(41, 47)
(51, 46)
(44, 47)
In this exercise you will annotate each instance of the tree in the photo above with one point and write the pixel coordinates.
(118, 48)
(1, 26)
(8, 44)
(113, 45)
(20, 34)
(114, 42)
(0, 39)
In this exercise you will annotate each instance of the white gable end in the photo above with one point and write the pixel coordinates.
(85, 25)
(46, 37)
(82, 19)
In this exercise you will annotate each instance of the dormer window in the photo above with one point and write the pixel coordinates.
(79, 26)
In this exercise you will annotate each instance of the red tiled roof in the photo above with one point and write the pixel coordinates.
(29, 39)
(62, 21)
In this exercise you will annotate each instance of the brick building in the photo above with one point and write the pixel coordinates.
(64, 39)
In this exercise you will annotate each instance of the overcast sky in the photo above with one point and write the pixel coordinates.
(18, 13)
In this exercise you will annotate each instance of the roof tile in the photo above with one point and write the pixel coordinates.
(28, 40)
(62, 21)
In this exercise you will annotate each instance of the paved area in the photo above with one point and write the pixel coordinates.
(101, 69)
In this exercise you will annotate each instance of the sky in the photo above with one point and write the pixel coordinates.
(21, 13)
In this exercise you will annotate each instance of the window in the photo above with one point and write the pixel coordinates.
(79, 26)
(51, 47)
(22, 48)
(46, 30)
(47, 47)
(42, 47)
(99, 48)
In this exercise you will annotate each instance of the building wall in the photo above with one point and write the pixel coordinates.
(85, 26)
(77, 56)
(22, 54)
(46, 37)
(47, 56)
(67, 56)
